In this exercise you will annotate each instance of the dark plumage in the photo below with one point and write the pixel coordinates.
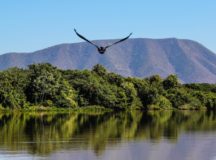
(101, 49)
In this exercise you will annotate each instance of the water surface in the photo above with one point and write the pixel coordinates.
(124, 135)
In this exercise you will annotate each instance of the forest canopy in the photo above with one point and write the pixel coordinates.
(47, 86)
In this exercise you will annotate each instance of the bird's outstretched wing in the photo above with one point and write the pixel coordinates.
(119, 41)
(82, 37)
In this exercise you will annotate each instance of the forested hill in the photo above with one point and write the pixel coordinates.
(139, 57)
(43, 85)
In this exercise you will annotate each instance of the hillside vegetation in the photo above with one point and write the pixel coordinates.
(43, 85)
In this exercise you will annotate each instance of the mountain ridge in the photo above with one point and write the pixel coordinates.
(138, 57)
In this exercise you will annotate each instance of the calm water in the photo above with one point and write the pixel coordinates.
(127, 136)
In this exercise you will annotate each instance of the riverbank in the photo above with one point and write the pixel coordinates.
(86, 110)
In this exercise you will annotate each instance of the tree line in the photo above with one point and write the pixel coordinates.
(47, 86)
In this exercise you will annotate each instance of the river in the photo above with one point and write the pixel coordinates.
(135, 135)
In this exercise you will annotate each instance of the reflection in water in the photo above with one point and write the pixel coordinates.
(45, 134)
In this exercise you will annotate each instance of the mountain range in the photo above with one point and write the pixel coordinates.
(139, 57)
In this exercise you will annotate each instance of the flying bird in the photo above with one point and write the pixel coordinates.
(101, 49)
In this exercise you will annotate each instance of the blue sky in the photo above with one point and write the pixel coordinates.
(29, 25)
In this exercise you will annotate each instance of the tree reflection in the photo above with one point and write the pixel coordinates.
(43, 133)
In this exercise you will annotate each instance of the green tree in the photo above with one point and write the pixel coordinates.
(46, 83)
(12, 85)
(171, 82)
(100, 70)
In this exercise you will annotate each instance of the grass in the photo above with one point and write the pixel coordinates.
(95, 109)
